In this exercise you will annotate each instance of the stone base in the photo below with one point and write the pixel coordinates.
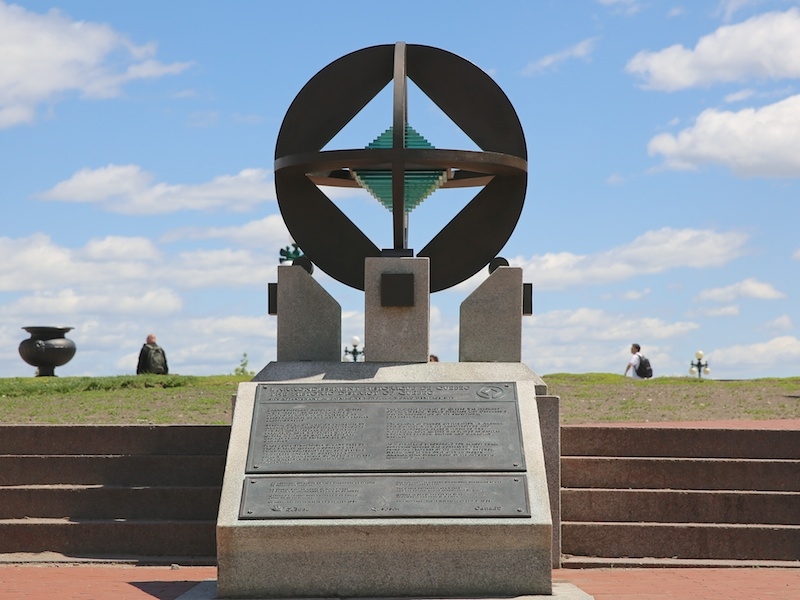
(400, 557)
(207, 590)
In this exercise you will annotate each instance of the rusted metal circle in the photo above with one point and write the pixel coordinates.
(467, 95)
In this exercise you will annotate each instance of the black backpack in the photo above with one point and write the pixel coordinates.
(156, 360)
(644, 370)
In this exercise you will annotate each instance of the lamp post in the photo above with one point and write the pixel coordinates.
(354, 354)
(699, 367)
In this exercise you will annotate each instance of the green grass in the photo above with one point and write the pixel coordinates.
(604, 397)
(157, 399)
(585, 398)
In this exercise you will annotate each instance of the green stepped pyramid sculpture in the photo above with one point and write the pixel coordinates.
(418, 184)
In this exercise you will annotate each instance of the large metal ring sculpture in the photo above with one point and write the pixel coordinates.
(464, 93)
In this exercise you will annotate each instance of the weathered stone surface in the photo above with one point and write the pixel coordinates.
(396, 333)
(490, 326)
(309, 319)
(414, 556)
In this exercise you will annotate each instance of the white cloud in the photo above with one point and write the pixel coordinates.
(247, 119)
(581, 50)
(127, 189)
(218, 268)
(653, 252)
(615, 179)
(748, 288)
(118, 266)
(729, 7)
(723, 311)
(766, 46)
(782, 323)
(759, 142)
(567, 326)
(250, 234)
(627, 7)
(155, 302)
(739, 96)
(796, 255)
(45, 56)
(636, 294)
(113, 248)
(33, 263)
(580, 340)
(751, 357)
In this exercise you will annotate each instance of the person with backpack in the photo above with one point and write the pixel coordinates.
(641, 365)
(152, 358)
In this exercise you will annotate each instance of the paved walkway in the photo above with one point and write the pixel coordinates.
(126, 582)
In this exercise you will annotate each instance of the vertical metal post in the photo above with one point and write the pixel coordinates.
(400, 116)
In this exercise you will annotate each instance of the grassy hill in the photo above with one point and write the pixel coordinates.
(585, 398)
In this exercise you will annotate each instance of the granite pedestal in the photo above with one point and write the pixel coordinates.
(412, 556)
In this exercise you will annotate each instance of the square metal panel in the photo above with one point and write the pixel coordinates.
(385, 496)
(397, 289)
(371, 427)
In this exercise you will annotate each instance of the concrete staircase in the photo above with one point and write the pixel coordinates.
(630, 495)
(679, 497)
(111, 491)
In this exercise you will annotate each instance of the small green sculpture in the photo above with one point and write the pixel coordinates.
(290, 253)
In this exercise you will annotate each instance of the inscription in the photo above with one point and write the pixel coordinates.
(277, 454)
(373, 428)
(421, 451)
(380, 496)
(397, 391)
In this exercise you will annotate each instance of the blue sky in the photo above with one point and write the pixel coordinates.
(137, 143)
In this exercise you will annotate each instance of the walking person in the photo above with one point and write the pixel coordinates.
(636, 359)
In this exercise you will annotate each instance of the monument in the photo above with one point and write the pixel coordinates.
(394, 476)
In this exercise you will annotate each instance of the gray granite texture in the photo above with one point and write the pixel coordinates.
(309, 319)
(400, 557)
(396, 333)
(490, 323)
(550, 426)
(207, 590)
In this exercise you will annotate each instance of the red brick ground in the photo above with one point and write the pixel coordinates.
(84, 582)
(685, 584)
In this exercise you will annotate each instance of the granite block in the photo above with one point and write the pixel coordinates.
(309, 319)
(490, 323)
(396, 333)
(401, 557)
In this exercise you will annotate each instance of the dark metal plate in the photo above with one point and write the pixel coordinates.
(466, 94)
(362, 427)
(382, 496)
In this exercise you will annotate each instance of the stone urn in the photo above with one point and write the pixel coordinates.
(47, 348)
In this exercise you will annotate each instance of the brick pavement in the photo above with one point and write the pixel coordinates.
(127, 582)
(685, 584)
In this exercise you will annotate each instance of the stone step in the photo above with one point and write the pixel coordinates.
(144, 470)
(681, 506)
(681, 540)
(599, 562)
(108, 537)
(114, 439)
(680, 473)
(110, 502)
(679, 442)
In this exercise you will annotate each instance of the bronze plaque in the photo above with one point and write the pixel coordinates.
(368, 427)
(381, 496)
